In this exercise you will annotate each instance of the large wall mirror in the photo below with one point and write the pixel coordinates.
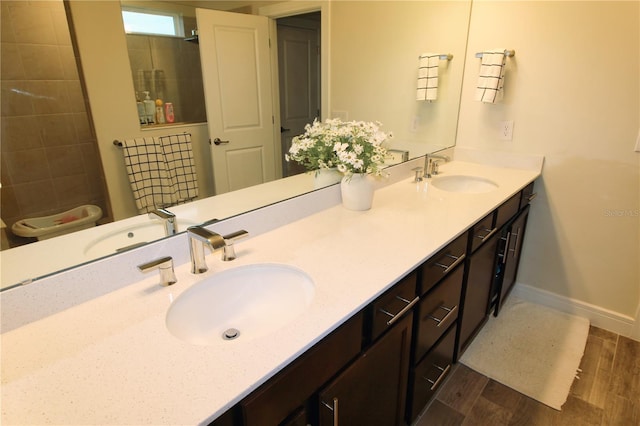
(368, 71)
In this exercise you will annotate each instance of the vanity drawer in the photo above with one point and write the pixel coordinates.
(392, 305)
(443, 262)
(482, 231)
(507, 210)
(288, 390)
(437, 311)
(429, 374)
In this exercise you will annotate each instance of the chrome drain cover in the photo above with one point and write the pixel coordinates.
(231, 334)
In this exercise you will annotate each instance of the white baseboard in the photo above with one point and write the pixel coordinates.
(615, 322)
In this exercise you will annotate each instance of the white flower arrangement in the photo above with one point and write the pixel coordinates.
(353, 147)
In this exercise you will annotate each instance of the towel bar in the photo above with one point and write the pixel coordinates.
(507, 53)
(444, 56)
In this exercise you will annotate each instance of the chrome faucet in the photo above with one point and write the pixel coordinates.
(431, 164)
(200, 237)
(168, 218)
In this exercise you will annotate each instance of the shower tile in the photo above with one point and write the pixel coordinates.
(32, 24)
(35, 197)
(65, 160)
(60, 24)
(73, 190)
(75, 96)
(10, 211)
(6, 24)
(21, 165)
(20, 133)
(11, 62)
(41, 62)
(15, 98)
(56, 129)
(69, 67)
(82, 127)
(50, 97)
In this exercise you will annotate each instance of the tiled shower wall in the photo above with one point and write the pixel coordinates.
(180, 64)
(50, 160)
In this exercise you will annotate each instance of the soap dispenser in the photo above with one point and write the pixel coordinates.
(149, 108)
(141, 112)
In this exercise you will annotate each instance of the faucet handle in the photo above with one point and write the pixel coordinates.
(229, 252)
(165, 266)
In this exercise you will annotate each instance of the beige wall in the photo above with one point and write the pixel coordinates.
(573, 93)
(374, 62)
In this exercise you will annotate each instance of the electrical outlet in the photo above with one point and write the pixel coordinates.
(506, 130)
(415, 123)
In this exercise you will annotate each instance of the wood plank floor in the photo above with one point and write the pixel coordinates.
(607, 392)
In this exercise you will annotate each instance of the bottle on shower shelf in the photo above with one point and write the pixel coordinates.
(168, 112)
(149, 108)
(159, 112)
(141, 113)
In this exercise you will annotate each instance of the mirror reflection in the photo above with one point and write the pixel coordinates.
(372, 63)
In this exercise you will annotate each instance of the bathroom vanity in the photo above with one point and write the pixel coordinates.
(399, 292)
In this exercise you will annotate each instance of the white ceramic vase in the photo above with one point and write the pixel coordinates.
(326, 177)
(357, 192)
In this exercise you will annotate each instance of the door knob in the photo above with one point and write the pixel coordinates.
(217, 141)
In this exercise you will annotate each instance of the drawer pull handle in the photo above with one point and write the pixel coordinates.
(395, 317)
(443, 373)
(504, 254)
(333, 408)
(457, 261)
(489, 235)
(443, 320)
(515, 243)
(532, 196)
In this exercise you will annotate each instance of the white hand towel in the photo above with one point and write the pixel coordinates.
(491, 78)
(428, 77)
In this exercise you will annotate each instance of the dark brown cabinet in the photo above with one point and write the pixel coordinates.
(288, 391)
(477, 292)
(383, 365)
(509, 256)
(429, 374)
(372, 390)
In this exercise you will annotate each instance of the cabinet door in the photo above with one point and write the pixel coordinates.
(511, 255)
(429, 374)
(373, 389)
(477, 292)
(274, 401)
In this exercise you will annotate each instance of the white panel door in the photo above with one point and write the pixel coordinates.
(236, 71)
(298, 62)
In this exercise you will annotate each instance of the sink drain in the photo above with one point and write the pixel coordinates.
(231, 334)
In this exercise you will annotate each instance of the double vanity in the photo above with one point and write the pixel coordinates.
(349, 316)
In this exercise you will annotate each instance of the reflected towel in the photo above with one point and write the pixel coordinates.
(491, 79)
(178, 156)
(428, 77)
(148, 175)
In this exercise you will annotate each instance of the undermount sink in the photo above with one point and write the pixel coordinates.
(129, 237)
(240, 303)
(464, 183)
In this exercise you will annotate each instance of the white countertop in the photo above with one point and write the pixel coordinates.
(111, 360)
